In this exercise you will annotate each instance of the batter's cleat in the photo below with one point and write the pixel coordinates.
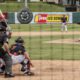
(29, 73)
(9, 75)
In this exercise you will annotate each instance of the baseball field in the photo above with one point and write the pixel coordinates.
(55, 54)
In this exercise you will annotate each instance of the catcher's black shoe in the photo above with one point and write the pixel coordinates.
(29, 73)
(9, 75)
(23, 69)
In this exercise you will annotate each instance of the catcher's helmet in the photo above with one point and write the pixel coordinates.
(19, 40)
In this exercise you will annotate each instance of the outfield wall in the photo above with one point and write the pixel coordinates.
(46, 17)
(76, 17)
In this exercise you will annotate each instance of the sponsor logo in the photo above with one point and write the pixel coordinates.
(49, 18)
(41, 18)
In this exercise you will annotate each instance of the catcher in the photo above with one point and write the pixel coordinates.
(20, 56)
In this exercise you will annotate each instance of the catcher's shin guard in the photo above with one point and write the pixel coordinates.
(25, 65)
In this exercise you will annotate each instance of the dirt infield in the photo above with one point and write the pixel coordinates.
(43, 33)
(64, 41)
(50, 70)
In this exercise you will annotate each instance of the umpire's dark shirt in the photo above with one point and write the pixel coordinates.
(3, 39)
(3, 23)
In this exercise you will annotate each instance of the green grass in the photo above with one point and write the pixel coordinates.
(40, 50)
(43, 27)
(34, 7)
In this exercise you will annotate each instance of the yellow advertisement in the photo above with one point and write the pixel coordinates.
(45, 18)
(55, 18)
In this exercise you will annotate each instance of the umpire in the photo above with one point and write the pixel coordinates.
(5, 53)
(4, 49)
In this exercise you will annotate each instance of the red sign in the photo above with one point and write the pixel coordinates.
(41, 18)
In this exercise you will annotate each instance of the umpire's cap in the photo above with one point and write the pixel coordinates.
(19, 40)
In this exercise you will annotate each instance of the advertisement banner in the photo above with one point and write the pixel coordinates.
(48, 17)
(51, 17)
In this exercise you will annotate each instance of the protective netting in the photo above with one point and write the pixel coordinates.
(55, 54)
